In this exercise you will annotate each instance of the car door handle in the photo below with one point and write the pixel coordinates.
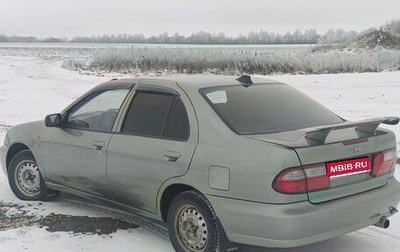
(171, 156)
(97, 145)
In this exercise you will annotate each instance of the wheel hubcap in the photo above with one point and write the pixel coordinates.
(27, 178)
(192, 228)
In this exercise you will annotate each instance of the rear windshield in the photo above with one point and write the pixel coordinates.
(266, 108)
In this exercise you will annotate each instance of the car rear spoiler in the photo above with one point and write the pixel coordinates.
(364, 128)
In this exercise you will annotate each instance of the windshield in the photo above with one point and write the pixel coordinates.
(266, 108)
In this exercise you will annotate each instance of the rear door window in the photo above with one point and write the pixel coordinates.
(157, 114)
(177, 124)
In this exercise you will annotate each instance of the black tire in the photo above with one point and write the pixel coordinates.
(25, 179)
(192, 224)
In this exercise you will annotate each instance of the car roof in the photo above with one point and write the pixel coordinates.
(192, 81)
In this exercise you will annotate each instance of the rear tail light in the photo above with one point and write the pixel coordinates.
(299, 180)
(313, 178)
(384, 162)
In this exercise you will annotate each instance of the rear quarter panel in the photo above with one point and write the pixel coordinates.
(252, 164)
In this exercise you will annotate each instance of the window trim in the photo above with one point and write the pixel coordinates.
(157, 89)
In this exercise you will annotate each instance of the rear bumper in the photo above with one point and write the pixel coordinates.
(302, 223)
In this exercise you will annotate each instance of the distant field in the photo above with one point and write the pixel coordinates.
(215, 59)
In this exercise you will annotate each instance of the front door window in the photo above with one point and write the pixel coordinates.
(97, 113)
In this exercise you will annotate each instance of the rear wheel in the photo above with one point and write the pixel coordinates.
(25, 179)
(192, 223)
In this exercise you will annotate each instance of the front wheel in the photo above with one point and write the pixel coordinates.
(192, 223)
(25, 179)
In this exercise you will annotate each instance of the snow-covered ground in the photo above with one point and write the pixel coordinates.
(32, 87)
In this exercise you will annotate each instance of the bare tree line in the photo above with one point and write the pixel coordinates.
(261, 37)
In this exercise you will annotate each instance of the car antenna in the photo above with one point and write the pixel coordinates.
(114, 79)
(245, 80)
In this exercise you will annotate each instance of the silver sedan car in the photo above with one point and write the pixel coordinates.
(221, 160)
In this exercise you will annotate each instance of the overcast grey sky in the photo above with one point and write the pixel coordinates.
(68, 18)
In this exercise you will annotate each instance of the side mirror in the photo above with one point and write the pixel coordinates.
(53, 120)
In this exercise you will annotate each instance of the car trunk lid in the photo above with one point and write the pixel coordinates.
(349, 154)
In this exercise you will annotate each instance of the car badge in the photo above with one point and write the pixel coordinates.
(357, 149)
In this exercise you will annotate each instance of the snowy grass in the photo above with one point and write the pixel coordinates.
(229, 60)
(235, 61)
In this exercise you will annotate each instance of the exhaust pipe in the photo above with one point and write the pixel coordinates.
(383, 223)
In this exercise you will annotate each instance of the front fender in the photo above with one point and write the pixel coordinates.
(24, 136)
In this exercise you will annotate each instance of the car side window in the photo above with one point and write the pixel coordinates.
(98, 112)
(177, 124)
(157, 114)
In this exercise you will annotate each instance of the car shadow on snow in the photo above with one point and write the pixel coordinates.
(356, 241)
